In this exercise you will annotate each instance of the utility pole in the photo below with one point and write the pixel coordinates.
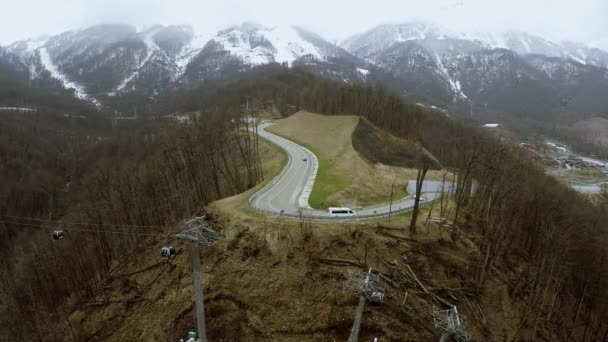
(354, 331)
(199, 303)
(390, 207)
(471, 103)
(197, 231)
(450, 324)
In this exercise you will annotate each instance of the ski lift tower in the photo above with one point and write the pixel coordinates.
(197, 231)
(450, 323)
(368, 287)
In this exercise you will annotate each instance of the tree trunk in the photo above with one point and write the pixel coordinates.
(422, 169)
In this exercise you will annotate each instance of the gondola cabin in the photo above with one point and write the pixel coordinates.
(58, 235)
(167, 252)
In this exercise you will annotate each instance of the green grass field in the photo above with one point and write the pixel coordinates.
(328, 181)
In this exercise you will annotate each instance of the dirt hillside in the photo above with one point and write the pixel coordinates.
(275, 280)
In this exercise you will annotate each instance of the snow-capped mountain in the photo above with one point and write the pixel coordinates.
(247, 45)
(103, 60)
(118, 65)
(112, 60)
(368, 44)
(256, 45)
(372, 42)
(525, 43)
(485, 72)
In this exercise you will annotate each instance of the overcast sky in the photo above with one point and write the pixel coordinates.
(583, 20)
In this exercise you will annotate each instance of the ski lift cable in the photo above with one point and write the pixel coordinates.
(80, 229)
(80, 223)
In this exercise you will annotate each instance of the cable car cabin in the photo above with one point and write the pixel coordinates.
(377, 297)
(58, 234)
(167, 252)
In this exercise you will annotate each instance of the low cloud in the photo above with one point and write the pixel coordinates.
(583, 20)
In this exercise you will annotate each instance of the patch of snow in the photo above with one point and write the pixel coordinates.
(18, 109)
(290, 45)
(151, 49)
(238, 44)
(525, 44)
(577, 59)
(362, 71)
(491, 40)
(582, 53)
(597, 162)
(190, 51)
(490, 125)
(454, 84)
(286, 45)
(27, 47)
(445, 111)
(79, 90)
(560, 148)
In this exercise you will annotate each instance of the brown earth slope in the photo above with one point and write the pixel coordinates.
(274, 280)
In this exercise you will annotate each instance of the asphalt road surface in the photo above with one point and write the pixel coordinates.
(287, 194)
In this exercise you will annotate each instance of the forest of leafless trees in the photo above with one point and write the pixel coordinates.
(120, 191)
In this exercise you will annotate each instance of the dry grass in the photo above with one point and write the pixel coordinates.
(267, 281)
(345, 178)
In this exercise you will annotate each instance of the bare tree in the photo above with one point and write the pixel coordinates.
(423, 167)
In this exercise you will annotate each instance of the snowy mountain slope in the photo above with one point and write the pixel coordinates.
(27, 48)
(520, 42)
(438, 58)
(34, 57)
(113, 64)
(367, 44)
(152, 50)
(172, 39)
(116, 59)
(108, 59)
(190, 50)
(256, 45)
(79, 90)
(244, 46)
(372, 42)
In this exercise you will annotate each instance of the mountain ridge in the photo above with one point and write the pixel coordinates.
(424, 61)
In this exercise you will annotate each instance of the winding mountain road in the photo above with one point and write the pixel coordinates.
(287, 194)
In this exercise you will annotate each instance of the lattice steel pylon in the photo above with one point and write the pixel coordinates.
(368, 287)
(198, 232)
(450, 323)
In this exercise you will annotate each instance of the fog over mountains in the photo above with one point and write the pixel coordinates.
(487, 73)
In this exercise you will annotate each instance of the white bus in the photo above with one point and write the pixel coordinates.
(340, 212)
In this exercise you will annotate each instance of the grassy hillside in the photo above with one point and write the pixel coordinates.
(379, 146)
(344, 176)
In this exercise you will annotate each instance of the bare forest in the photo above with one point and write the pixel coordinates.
(116, 185)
